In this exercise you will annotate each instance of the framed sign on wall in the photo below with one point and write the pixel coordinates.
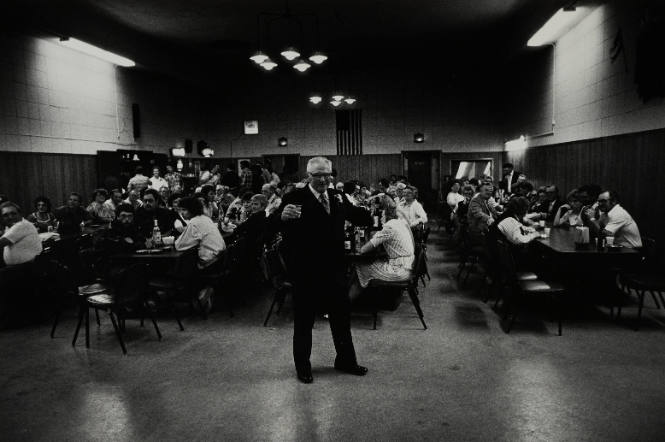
(251, 127)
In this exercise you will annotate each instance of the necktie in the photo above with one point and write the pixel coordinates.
(324, 202)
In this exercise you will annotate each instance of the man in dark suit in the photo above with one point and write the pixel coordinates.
(509, 178)
(312, 223)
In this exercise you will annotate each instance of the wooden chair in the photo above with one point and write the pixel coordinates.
(275, 273)
(126, 300)
(410, 286)
(521, 288)
(648, 278)
(176, 287)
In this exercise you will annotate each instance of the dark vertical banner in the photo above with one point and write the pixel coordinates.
(349, 132)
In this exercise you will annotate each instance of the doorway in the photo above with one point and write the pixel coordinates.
(423, 170)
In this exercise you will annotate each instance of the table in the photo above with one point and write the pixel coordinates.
(561, 245)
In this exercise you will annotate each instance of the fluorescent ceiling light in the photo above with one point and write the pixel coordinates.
(290, 54)
(517, 144)
(89, 49)
(560, 23)
(318, 58)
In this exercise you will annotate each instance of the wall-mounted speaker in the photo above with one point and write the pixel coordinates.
(188, 145)
(136, 120)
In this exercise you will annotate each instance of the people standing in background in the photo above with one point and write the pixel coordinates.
(509, 179)
(100, 212)
(173, 178)
(257, 178)
(42, 218)
(156, 181)
(138, 182)
(246, 176)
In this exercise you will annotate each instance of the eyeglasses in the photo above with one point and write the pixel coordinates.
(602, 200)
(10, 213)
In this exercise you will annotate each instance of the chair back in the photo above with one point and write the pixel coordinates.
(652, 255)
(506, 262)
(130, 286)
(418, 265)
(186, 264)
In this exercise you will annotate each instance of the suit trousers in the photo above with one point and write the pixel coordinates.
(333, 299)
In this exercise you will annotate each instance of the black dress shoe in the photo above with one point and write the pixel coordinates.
(305, 376)
(355, 369)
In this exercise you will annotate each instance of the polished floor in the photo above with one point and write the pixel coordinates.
(232, 379)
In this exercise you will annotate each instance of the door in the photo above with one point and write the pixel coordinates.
(422, 169)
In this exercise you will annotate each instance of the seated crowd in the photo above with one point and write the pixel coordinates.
(515, 205)
(224, 206)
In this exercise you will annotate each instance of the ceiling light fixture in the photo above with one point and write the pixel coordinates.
(282, 142)
(338, 97)
(259, 57)
(315, 99)
(264, 21)
(290, 53)
(560, 23)
(268, 65)
(318, 58)
(418, 137)
(102, 54)
(301, 66)
(335, 103)
(349, 100)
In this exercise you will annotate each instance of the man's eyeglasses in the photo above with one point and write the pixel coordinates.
(10, 213)
(602, 200)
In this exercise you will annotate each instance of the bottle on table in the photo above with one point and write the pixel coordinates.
(156, 235)
(349, 239)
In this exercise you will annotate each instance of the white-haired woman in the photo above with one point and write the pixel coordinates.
(397, 241)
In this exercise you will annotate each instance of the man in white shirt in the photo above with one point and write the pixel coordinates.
(139, 181)
(616, 221)
(115, 200)
(274, 201)
(20, 242)
(156, 181)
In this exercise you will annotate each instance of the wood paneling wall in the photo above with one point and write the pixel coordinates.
(26, 175)
(631, 164)
(366, 168)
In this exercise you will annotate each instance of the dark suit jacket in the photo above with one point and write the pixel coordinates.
(314, 244)
(503, 184)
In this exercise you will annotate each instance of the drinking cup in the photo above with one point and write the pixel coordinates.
(609, 241)
(546, 232)
(541, 223)
(298, 210)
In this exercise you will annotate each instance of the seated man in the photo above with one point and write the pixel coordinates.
(71, 216)
(254, 228)
(150, 211)
(123, 236)
(20, 242)
(614, 221)
(481, 214)
(200, 233)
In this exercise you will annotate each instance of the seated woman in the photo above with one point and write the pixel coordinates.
(42, 217)
(100, 212)
(201, 232)
(509, 224)
(397, 241)
(570, 215)
(210, 208)
(410, 209)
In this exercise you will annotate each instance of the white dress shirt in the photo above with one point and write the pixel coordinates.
(515, 232)
(412, 213)
(624, 228)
